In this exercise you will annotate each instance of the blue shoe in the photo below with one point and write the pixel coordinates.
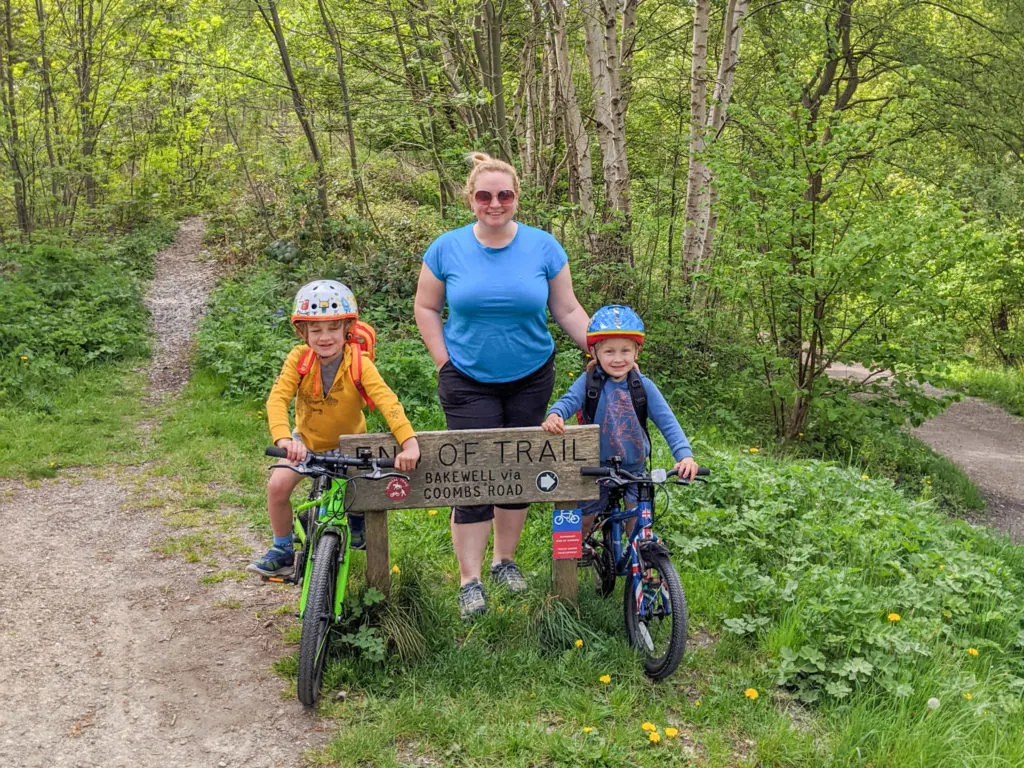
(357, 531)
(274, 562)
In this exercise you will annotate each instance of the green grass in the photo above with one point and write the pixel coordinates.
(1004, 387)
(89, 420)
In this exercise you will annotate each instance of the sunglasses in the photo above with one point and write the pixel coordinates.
(505, 196)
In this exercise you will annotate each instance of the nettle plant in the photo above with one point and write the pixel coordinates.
(848, 585)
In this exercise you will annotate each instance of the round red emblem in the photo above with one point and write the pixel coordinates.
(398, 488)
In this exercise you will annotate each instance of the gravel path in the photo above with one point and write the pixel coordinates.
(114, 655)
(986, 442)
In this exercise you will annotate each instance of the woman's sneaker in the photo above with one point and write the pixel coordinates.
(472, 600)
(274, 562)
(507, 572)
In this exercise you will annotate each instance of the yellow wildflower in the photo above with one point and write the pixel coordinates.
(751, 693)
(605, 679)
(579, 643)
(894, 617)
(972, 651)
(395, 569)
(942, 566)
(432, 512)
(587, 729)
(696, 703)
(968, 696)
(654, 737)
(571, 374)
(754, 450)
(864, 477)
(23, 357)
(671, 732)
(649, 727)
(799, 434)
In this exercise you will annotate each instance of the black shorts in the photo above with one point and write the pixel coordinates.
(472, 404)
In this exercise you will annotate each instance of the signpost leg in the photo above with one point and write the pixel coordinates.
(378, 557)
(563, 574)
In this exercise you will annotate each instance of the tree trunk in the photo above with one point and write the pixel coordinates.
(339, 59)
(698, 118)
(268, 10)
(12, 145)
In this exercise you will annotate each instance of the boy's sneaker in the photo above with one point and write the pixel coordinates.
(357, 531)
(472, 600)
(507, 572)
(274, 562)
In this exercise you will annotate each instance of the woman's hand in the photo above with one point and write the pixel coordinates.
(409, 456)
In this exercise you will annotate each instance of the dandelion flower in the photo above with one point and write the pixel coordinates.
(432, 512)
(894, 617)
(605, 679)
(864, 477)
(696, 703)
(587, 729)
(654, 737)
(942, 566)
(25, 358)
(649, 727)
(395, 569)
(671, 732)
(968, 696)
(751, 693)
(755, 450)
(972, 651)
(571, 374)
(933, 703)
(579, 643)
(799, 434)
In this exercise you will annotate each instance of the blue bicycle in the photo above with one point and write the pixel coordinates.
(623, 543)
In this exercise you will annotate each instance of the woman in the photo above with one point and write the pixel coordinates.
(494, 354)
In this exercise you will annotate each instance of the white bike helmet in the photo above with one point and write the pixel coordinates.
(325, 300)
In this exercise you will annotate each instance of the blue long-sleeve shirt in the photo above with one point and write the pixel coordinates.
(621, 431)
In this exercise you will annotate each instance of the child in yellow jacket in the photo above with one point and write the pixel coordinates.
(327, 404)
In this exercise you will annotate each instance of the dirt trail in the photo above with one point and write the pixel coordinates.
(987, 443)
(114, 655)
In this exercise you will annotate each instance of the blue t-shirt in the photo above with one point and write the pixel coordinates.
(497, 299)
(621, 433)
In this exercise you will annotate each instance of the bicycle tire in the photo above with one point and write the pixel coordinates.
(318, 619)
(662, 645)
(604, 564)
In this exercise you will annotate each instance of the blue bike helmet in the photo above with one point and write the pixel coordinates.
(615, 321)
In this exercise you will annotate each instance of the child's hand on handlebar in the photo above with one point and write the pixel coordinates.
(296, 449)
(409, 456)
(687, 468)
(554, 424)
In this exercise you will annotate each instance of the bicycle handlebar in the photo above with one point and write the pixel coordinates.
(628, 477)
(337, 461)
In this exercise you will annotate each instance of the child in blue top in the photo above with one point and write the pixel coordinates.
(615, 336)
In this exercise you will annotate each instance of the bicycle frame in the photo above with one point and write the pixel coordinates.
(330, 515)
(627, 560)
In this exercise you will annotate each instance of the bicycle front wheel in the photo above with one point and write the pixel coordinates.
(318, 618)
(660, 633)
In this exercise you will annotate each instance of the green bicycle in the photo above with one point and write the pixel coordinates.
(321, 533)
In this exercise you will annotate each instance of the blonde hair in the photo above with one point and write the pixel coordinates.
(482, 163)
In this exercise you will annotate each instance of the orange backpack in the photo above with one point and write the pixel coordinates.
(364, 340)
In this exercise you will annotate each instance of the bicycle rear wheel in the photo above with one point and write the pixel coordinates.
(318, 618)
(660, 634)
(604, 563)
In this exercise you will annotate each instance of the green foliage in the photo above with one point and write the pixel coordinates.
(848, 586)
(1005, 386)
(62, 309)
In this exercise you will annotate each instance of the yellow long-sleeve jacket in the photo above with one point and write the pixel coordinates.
(320, 417)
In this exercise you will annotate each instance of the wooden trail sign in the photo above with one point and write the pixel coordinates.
(483, 466)
(475, 466)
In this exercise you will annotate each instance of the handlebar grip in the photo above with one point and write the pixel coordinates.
(596, 471)
(279, 453)
(385, 463)
(703, 471)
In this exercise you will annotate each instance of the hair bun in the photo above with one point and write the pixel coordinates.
(478, 158)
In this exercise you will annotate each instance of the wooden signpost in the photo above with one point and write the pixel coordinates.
(479, 466)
